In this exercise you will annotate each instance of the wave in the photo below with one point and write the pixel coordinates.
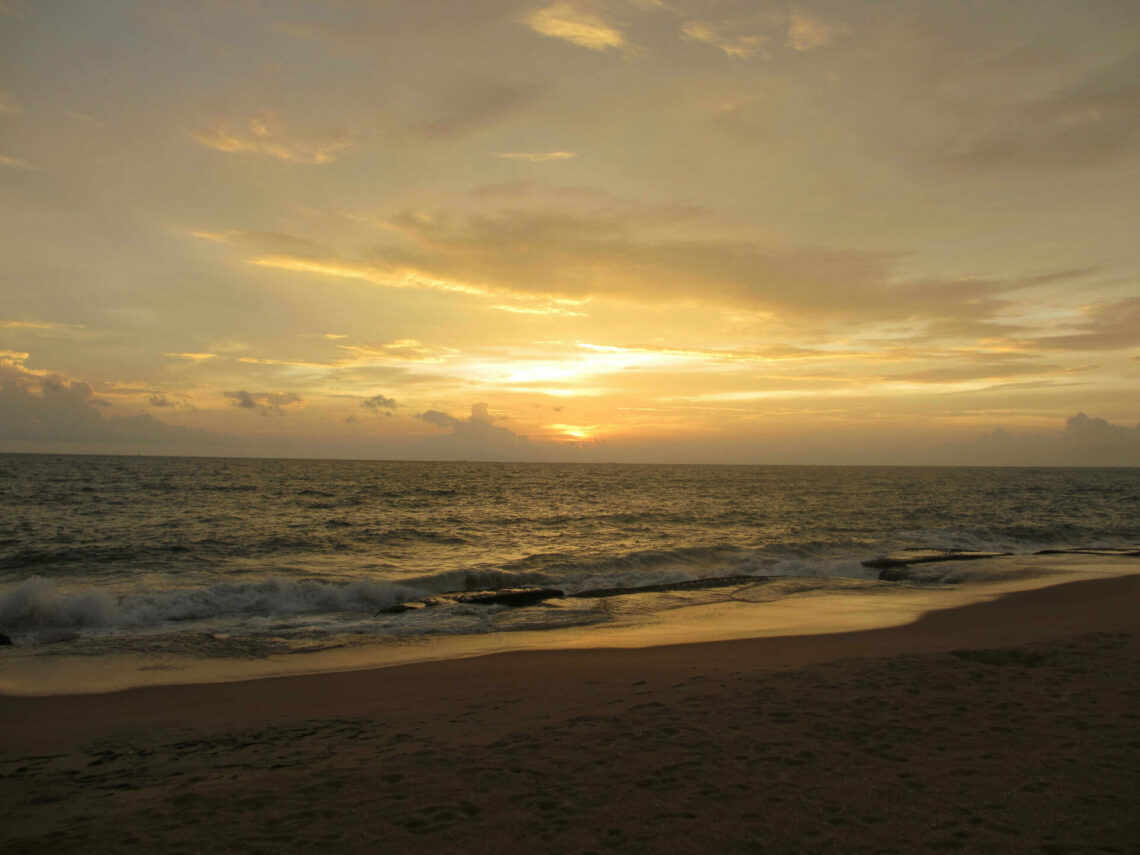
(39, 604)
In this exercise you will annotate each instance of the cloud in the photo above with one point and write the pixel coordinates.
(15, 162)
(265, 241)
(164, 402)
(770, 353)
(549, 258)
(44, 407)
(473, 105)
(439, 419)
(1091, 122)
(555, 307)
(545, 255)
(194, 357)
(807, 33)
(293, 363)
(538, 156)
(266, 403)
(475, 437)
(980, 369)
(1108, 326)
(574, 22)
(265, 135)
(400, 350)
(1085, 441)
(38, 326)
(741, 47)
(378, 274)
(377, 403)
(85, 119)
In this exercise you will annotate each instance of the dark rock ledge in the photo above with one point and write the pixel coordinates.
(502, 597)
(527, 596)
(1125, 552)
(892, 567)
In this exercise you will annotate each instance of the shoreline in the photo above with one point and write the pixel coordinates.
(746, 613)
(1010, 617)
(1006, 725)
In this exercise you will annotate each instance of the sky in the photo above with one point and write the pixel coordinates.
(708, 231)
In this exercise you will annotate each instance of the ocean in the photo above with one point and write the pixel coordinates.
(255, 559)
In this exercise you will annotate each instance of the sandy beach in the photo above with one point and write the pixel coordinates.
(1009, 725)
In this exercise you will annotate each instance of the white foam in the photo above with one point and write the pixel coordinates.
(39, 604)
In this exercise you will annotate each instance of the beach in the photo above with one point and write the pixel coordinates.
(1008, 724)
(569, 427)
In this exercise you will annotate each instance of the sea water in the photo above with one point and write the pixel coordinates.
(249, 559)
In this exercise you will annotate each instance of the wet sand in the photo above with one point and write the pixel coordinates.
(1011, 725)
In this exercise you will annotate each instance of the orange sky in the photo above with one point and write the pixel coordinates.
(722, 231)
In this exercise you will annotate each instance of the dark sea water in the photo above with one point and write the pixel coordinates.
(251, 558)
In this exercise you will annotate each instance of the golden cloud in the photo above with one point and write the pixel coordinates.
(37, 325)
(401, 350)
(15, 162)
(395, 277)
(806, 33)
(741, 47)
(574, 23)
(538, 156)
(194, 357)
(264, 135)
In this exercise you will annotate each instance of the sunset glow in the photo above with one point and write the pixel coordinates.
(712, 231)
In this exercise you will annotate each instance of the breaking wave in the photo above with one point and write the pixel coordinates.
(165, 546)
(38, 604)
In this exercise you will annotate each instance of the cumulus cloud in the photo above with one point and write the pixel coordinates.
(166, 402)
(46, 407)
(378, 403)
(266, 403)
(475, 437)
(1085, 441)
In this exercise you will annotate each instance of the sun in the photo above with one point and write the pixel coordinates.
(575, 432)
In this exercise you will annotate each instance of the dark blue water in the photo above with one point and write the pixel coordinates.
(138, 551)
